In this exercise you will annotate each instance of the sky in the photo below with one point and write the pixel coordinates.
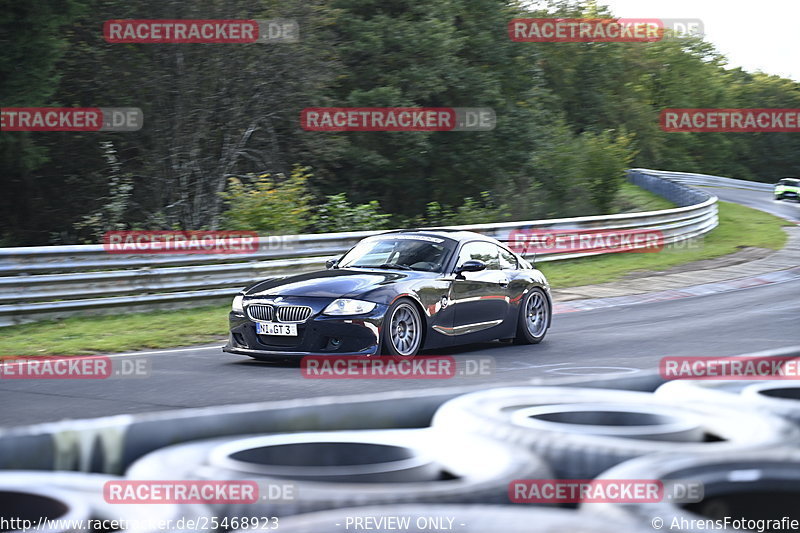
(762, 35)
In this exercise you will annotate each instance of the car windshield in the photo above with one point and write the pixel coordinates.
(402, 252)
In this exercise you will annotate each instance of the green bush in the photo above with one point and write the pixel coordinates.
(278, 206)
(472, 211)
(285, 206)
(337, 214)
(581, 175)
(606, 157)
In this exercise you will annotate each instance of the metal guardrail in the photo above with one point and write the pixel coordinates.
(47, 282)
(710, 181)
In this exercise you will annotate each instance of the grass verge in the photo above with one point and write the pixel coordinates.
(631, 198)
(118, 333)
(739, 227)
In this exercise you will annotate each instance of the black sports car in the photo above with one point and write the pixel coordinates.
(395, 293)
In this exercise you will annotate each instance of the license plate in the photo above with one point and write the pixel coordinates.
(273, 328)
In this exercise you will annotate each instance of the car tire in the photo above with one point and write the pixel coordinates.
(402, 321)
(534, 317)
(742, 485)
(778, 397)
(79, 496)
(465, 519)
(325, 469)
(26, 502)
(578, 446)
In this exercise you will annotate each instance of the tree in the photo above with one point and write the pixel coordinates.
(32, 44)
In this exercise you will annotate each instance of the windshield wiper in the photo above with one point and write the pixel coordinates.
(382, 266)
(392, 265)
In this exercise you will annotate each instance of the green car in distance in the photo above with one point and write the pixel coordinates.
(787, 188)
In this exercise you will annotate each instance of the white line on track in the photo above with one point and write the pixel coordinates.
(521, 365)
(15, 362)
(172, 350)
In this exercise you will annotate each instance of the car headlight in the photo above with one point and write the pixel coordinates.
(346, 306)
(237, 306)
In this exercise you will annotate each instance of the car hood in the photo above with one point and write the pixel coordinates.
(353, 283)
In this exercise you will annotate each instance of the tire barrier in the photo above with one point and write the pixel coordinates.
(612, 420)
(76, 498)
(582, 432)
(28, 504)
(109, 445)
(747, 486)
(329, 470)
(479, 443)
(779, 397)
(462, 518)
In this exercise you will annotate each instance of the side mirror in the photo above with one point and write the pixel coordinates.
(331, 263)
(473, 265)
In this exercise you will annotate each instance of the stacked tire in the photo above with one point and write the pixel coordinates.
(738, 438)
(66, 502)
(583, 432)
(779, 398)
(330, 470)
(751, 491)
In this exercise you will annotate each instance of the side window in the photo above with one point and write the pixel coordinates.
(507, 260)
(482, 251)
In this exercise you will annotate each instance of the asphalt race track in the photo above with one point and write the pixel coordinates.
(758, 200)
(624, 339)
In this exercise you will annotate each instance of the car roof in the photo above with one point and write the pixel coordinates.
(446, 233)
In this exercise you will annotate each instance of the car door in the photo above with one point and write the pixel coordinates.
(480, 299)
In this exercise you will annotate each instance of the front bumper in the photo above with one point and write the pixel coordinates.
(319, 335)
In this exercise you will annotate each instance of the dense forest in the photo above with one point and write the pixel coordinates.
(222, 145)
